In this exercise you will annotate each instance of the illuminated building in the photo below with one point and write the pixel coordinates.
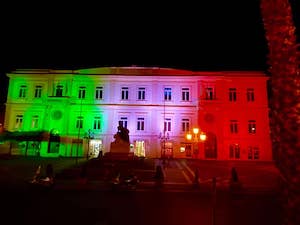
(78, 111)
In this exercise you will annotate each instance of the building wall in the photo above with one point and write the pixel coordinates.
(58, 115)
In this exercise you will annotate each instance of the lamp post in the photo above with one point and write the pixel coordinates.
(195, 138)
(89, 135)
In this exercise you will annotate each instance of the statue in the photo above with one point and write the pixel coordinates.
(121, 143)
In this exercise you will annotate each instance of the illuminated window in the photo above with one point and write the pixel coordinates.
(38, 91)
(99, 93)
(22, 91)
(167, 124)
(81, 93)
(35, 121)
(185, 94)
(168, 94)
(185, 125)
(124, 93)
(233, 126)
(123, 122)
(19, 121)
(59, 91)
(209, 93)
(250, 94)
(141, 93)
(140, 124)
(251, 126)
(79, 122)
(97, 123)
(232, 94)
(234, 151)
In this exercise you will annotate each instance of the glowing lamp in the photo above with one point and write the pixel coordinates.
(195, 130)
(202, 137)
(189, 136)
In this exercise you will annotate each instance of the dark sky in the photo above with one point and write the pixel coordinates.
(217, 35)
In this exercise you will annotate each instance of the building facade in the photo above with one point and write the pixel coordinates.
(79, 111)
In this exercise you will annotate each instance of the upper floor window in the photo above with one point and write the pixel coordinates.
(209, 93)
(124, 93)
(232, 94)
(167, 124)
(250, 94)
(141, 93)
(22, 91)
(59, 91)
(79, 122)
(81, 93)
(99, 93)
(38, 91)
(97, 123)
(123, 122)
(233, 126)
(140, 123)
(185, 125)
(168, 94)
(35, 121)
(251, 126)
(185, 94)
(19, 121)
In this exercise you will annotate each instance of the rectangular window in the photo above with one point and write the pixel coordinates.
(232, 94)
(35, 121)
(38, 91)
(209, 93)
(141, 93)
(123, 122)
(81, 93)
(97, 123)
(233, 126)
(185, 125)
(234, 151)
(140, 123)
(253, 152)
(19, 121)
(59, 91)
(22, 91)
(99, 93)
(124, 93)
(167, 124)
(168, 94)
(185, 94)
(250, 94)
(79, 122)
(251, 126)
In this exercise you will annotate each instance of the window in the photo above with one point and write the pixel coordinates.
(167, 124)
(185, 94)
(123, 122)
(38, 91)
(185, 125)
(99, 93)
(250, 94)
(141, 93)
(251, 126)
(209, 93)
(79, 122)
(124, 93)
(59, 91)
(233, 126)
(97, 123)
(22, 91)
(19, 121)
(81, 93)
(35, 121)
(140, 123)
(253, 152)
(234, 151)
(168, 94)
(232, 94)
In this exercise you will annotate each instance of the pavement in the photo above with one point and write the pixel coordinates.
(179, 174)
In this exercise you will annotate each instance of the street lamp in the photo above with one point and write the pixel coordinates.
(89, 135)
(195, 138)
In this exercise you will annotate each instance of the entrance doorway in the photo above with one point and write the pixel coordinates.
(210, 146)
(95, 148)
(139, 148)
(166, 149)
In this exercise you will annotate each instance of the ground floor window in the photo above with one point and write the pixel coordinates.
(253, 152)
(139, 148)
(234, 151)
(95, 148)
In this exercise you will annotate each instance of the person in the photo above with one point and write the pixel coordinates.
(37, 175)
(159, 176)
(196, 178)
(49, 179)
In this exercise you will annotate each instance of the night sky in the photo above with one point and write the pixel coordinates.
(218, 35)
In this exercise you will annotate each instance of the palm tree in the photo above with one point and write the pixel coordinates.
(285, 100)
